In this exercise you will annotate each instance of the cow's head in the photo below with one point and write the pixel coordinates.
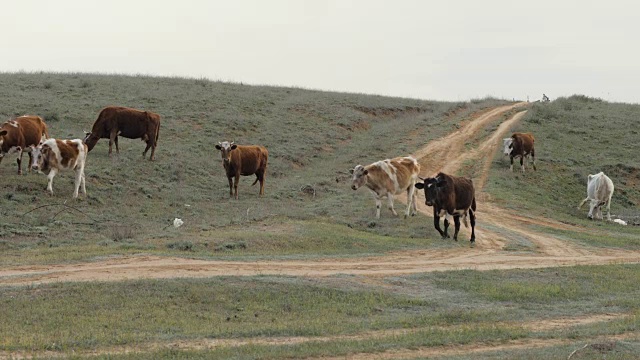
(40, 156)
(507, 145)
(225, 148)
(431, 188)
(359, 177)
(90, 139)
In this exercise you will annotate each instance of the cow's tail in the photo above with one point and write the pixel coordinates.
(255, 181)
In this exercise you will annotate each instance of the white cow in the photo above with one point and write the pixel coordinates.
(599, 191)
(387, 178)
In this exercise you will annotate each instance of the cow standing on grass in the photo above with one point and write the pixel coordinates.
(520, 145)
(55, 155)
(387, 178)
(599, 191)
(115, 121)
(243, 160)
(20, 135)
(450, 196)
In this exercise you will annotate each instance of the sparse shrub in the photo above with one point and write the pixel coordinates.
(231, 246)
(121, 232)
(51, 117)
(85, 84)
(181, 245)
(47, 85)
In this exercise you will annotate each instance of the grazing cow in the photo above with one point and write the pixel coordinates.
(243, 160)
(450, 196)
(520, 145)
(387, 178)
(54, 155)
(20, 135)
(599, 191)
(115, 121)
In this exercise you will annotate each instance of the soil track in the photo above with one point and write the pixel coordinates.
(447, 154)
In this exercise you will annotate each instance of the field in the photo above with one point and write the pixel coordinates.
(307, 271)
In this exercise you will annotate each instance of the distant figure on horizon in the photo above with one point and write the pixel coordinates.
(545, 98)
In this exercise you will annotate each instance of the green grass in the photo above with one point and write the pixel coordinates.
(313, 138)
(449, 308)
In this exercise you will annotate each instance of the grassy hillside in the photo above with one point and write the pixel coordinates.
(577, 136)
(313, 139)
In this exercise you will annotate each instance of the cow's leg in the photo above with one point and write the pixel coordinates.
(582, 203)
(235, 185)
(84, 189)
(533, 159)
(30, 161)
(410, 202)
(378, 205)
(446, 227)
(436, 223)
(414, 208)
(144, 153)
(230, 178)
(19, 161)
(117, 147)
(390, 204)
(472, 220)
(511, 158)
(609, 210)
(260, 176)
(522, 163)
(456, 222)
(113, 137)
(77, 183)
(50, 177)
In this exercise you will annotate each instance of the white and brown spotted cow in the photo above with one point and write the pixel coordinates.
(387, 178)
(54, 155)
(21, 135)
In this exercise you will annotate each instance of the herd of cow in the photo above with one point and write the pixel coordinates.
(450, 196)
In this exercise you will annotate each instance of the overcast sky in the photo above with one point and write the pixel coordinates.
(440, 50)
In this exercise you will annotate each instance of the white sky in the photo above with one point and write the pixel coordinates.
(440, 50)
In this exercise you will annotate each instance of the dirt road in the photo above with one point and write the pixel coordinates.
(446, 154)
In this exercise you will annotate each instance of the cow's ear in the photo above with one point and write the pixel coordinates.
(3, 132)
(234, 146)
(366, 172)
(218, 147)
(419, 186)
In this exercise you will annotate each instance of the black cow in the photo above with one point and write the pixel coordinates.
(450, 196)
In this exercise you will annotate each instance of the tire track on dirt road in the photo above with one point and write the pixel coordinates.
(448, 153)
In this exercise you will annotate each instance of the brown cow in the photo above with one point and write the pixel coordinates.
(387, 178)
(54, 155)
(20, 135)
(520, 145)
(115, 121)
(243, 160)
(450, 196)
